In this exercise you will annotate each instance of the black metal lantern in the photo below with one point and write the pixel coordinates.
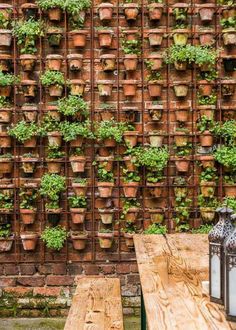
(230, 276)
(217, 237)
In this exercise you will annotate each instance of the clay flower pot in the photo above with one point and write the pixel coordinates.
(77, 163)
(129, 241)
(131, 215)
(207, 110)
(206, 139)
(5, 91)
(155, 37)
(6, 165)
(30, 112)
(5, 62)
(79, 240)
(77, 87)
(155, 88)
(155, 111)
(206, 37)
(129, 87)
(129, 163)
(156, 139)
(156, 215)
(206, 160)
(54, 36)
(105, 38)
(75, 61)
(78, 215)
(105, 189)
(131, 138)
(54, 62)
(105, 87)
(27, 216)
(54, 139)
(182, 114)
(28, 62)
(110, 143)
(230, 190)
(181, 138)
(181, 90)
(77, 143)
(105, 11)
(5, 38)
(228, 87)
(30, 143)
(130, 189)
(5, 115)
(29, 240)
(79, 37)
(156, 61)
(106, 216)
(207, 214)
(55, 90)
(131, 11)
(79, 188)
(205, 88)
(155, 11)
(106, 162)
(29, 10)
(29, 88)
(180, 37)
(6, 243)
(108, 62)
(105, 240)
(155, 189)
(5, 140)
(54, 14)
(182, 164)
(54, 165)
(206, 13)
(229, 37)
(29, 164)
(207, 188)
(131, 62)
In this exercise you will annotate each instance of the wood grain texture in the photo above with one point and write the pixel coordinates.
(96, 305)
(171, 270)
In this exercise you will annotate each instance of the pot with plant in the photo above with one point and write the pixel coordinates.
(110, 132)
(54, 159)
(105, 182)
(6, 163)
(5, 140)
(79, 38)
(6, 238)
(182, 157)
(131, 49)
(54, 81)
(229, 184)
(50, 128)
(208, 179)
(205, 58)
(131, 182)
(182, 113)
(128, 233)
(78, 207)
(106, 216)
(180, 37)
(206, 36)
(79, 239)
(155, 10)
(30, 112)
(105, 162)
(105, 36)
(181, 89)
(205, 127)
(129, 87)
(229, 36)
(228, 87)
(29, 240)
(226, 156)
(53, 8)
(130, 210)
(130, 159)
(155, 37)
(130, 136)
(180, 56)
(28, 62)
(54, 237)
(106, 111)
(6, 11)
(54, 62)
(154, 61)
(29, 10)
(206, 160)
(29, 161)
(5, 62)
(29, 88)
(76, 132)
(206, 12)
(77, 87)
(207, 105)
(105, 237)
(105, 87)
(153, 159)
(73, 106)
(156, 138)
(75, 62)
(156, 215)
(108, 62)
(5, 110)
(105, 11)
(80, 186)
(155, 110)
(54, 36)
(27, 206)
(181, 136)
(6, 202)
(155, 84)
(180, 185)
(207, 206)
(77, 161)
(7, 81)
(25, 133)
(131, 10)
(154, 183)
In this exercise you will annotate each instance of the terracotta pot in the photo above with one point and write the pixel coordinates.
(108, 62)
(54, 62)
(105, 88)
(54, 165)
(207, 214)
(5, 91)
(6, 165)
(206, 139)
(77, 142)
(130, 189)
(129, 240)
(129, 163)
(181, 90)
(5, 115)
(107, 162)
(106, 216)
(54, 14)
(229, 37)
(229, 12)
(206, 38)
(156, 215)
(105, 38)
(77, 87)
(29, 10)
(79, 37)
(207, 188)
(106, 114)
(79, 240)
(181, 138)
(54, 139)
(79, 189)
(5, 62)
(27, 216)
(155, 189)
(205, 88)
(155, 37)
(182, 164)
(29, 164)
(131, 215)
(156, 61)
(5, 140)
(207, 110)
(52, 109)
(54, 36)
(104, 151)
(77, 163)
(131, 34)
(30, 113)
(55, 90)
(131, 138)
(155, 11)
(206, 13)
(27, 62)
(6, 243)
(77, 215)
(30, 143)
(155, 88)
(129, 87)
(230, 190)
(207, 160)
(155, 111)
(131, 11)
(180, 37)
(111, 143)
(29, 88)
(227, 87)
(105, 11)
(75, 61)
(29, 240)
(131, 62)
(105, 189)
(105, 240)
(5, 38)
(156, 139)
(182, 114)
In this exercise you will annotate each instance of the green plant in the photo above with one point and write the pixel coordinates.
(230, 202)
(180, 14)
(105, 231)
(226, 156)
(131, 47)
(4, 103)
(26, 33)
(78, 201)
(54, 237)
(184, 227)
(6, 201)
(229, 22)
(129, 228)
(8, 79)
(207, 100)
(154, 177)
(55, 153)
(109, 129)
(208, 175)
(104, 175)
(155, 229)
(178, 53)
(24, 131)
(226, 2)
(205, 123)
(51, 187)
(73, 105)
(48, 124)
(5, 231)
(208, 75)
(210, 202)
(6, 155)
(151, 157)
(154, 76)
(74, 9)
(131, 176)
(180, 181)
(205, 55)
(127, 205)
(29, 155)
(230, 179)
(227, 131)
(183, 151)
(203, 229)
(82, 181)
(49, 4)
(71, 130)
(182, 208)
(50, 77)
(4, 21)
(27, 199)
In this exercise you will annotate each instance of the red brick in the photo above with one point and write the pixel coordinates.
(18, 291)
(47, 292)
(107, 269)
(27, 269)
(59, 269)
(31, 280)
(7, 281)
(134, 268)
(91, 269)
(60, 280)
(11, 269)
(75, 269)
(45, 269)
(123, 268)
(133, 279)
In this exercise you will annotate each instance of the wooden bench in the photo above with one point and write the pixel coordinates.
(96, 305)
(171, 270)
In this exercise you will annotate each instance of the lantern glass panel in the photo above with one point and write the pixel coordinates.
(215, 277)
(232, 291)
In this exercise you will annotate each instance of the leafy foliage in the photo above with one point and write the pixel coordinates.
(49, 4)
(5, 231)
(27, 199)
(72, 105)
(51, 187)
(205, 123)
(104, 175)
(207, 100)
(4, 21)
(155, 229)
(55, 153)
(226, 155)
(230, 202)
(54, 237)
(131, 176)
(78, 201)
(128, 204)
(50, 77)
(209, 174)
(207, 202)
(109, 129)
(71, 130)
(177, 53)
(24, 131)
(6, 201)
(227, 131)
(151, 157)
(229, 22)
(203, 229)
(8, 79)
(131, 47)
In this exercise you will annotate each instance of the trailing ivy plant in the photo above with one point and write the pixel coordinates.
(5, 230)
(205, 124)
(54, 152)
(227, 131)
(152, 158)
(54, 237)
(71, 130)
(49, 4)
(24, 131)
(177, 53)
(50, 77)
(48, 124)
(131, 47)
(74, 9)
(226, 156)
(73, 105)
(51, 187)
(183, 151)
(27, 199)
(207, 100)
(130, 176)
(8, 79)
(6, 201)
(104, 175)
(26, 33)
(129, 203)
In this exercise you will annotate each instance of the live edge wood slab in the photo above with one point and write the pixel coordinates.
(171, 270)
(96, 305)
